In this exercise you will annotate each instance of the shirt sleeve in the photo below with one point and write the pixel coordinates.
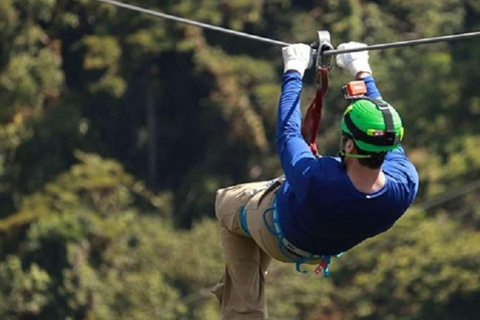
(372, 90)
(297, 160)
(396, 161)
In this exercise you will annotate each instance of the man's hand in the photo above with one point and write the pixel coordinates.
(297, 57)
(355, 62)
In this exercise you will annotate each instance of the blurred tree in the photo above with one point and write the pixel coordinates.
(23, 292)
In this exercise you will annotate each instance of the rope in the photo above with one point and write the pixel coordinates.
(195, 23)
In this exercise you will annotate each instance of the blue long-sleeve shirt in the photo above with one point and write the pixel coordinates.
(320, 209)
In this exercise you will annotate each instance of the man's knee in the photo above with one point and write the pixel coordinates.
(219, 201)
(227, 208)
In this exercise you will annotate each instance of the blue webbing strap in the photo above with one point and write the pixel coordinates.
(266, 222)
(279, 236)
(277, 231)
(243, 220)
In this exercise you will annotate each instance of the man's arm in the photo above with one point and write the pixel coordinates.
(358, 66)
(372, 90)
(295, 155)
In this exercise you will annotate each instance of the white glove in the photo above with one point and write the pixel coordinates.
(354, 62)
(297, 57)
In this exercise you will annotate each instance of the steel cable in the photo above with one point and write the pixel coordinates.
(450, 195)
(381, 46)
(407, 43)
(195, 23)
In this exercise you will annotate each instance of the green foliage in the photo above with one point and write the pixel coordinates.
(91, 260)
(95, 184)
(235, 75)
(8, 18)
(23, 292)
(97, 58)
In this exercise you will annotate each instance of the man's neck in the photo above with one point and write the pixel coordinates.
(365, 179)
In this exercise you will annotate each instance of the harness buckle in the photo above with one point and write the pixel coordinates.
(321, 266)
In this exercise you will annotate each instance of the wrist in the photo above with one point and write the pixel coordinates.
(359, 66)
(295, 65)
(362, 74)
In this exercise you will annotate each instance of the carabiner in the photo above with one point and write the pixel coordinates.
(323, 44)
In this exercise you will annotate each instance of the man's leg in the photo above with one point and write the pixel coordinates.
(241, 291)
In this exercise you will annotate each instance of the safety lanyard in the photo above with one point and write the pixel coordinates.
(313, 116)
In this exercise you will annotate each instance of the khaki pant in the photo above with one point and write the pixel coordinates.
(241, 290)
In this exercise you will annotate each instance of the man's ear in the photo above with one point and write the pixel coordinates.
(349, 146)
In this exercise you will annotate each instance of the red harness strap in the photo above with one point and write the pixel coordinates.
(311, 124)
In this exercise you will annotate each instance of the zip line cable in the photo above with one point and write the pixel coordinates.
(406, 43)
(380, 46)
(195, 23)
(469, 187)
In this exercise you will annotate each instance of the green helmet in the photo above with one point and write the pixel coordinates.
(373, 124)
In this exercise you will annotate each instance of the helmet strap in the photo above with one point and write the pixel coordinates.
(391, 136)
(344, 154)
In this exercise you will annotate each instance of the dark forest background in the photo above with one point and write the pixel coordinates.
(116, 129)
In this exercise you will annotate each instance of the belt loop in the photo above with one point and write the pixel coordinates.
(273, 184)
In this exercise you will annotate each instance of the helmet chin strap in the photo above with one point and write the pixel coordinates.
(344, 154)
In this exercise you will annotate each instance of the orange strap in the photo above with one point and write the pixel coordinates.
(311, 124)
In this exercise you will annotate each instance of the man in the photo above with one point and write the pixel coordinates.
(325, 205)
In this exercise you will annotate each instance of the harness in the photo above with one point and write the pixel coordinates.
(286, 248)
